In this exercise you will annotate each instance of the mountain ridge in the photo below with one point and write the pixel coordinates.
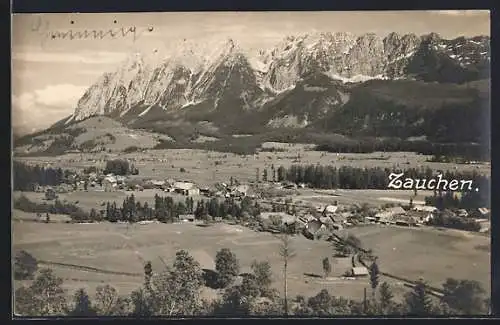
(400, 86)
(174, 85)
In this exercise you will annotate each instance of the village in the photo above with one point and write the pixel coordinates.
(278, 211)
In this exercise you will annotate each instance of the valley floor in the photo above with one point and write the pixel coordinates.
(208, 167)
(88, 255)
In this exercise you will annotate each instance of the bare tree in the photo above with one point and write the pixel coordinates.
(286, 253)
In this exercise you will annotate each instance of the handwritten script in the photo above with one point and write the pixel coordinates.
(42, 27)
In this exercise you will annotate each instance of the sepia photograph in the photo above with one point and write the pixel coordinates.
(242, 164)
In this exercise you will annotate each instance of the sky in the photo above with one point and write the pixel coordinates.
(50, 75)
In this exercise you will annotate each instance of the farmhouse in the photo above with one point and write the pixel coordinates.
(359, 271)
(109, 183)
(424, 208)
(205, 191)
(315, 228)
(158, 184)
(480, 213)
(420, 216)
(330, 209)
(405, 220)
(50, 194)
(240, 190)
(485, 225)
(388, 215)
(186, 188)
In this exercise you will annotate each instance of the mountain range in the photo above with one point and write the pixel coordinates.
(367, 85)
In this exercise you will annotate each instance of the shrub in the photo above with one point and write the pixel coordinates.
(25, 266)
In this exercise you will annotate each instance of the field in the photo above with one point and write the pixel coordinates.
(429, 253)
(206, 167)
(370, 197)
(120, 248)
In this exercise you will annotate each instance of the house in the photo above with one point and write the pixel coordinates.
(481, 213)
(185, 188)
(109, 183)
(205, 191)
(330, 209)
(289, 186)
(484, 211)
(387, 215)
(121, 179)
(187, 217)
(407, 221)
(50, 194)
(192, 192)
(424, 208)
(158, 184)
(359, 271)
(315, 228)
(328, 221)
(241, 190)
(421, 216)
(485, 225)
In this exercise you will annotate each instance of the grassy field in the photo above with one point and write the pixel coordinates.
(370, 197)
(120, 248)
(429, 253)
(207, 167)
(114, 247)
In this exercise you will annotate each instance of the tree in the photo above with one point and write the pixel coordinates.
(108, 303)
(465, 297)
(263, 276)
(321, 304)
(327, 266)
(386, 296)
(176, 290)
(25, 265)
(44, 297)
(287, 253)
(281, 174)
(237, 300)
(142, 305)
(227, 267)
(419, 301)
(148, 273)
(374, 277)
(83, 305)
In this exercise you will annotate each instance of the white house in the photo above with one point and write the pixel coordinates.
(330, 209)
(186, 188)
(241, 190)
(109, 183)
(424, 208)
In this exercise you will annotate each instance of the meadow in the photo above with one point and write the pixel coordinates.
(117, 253)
